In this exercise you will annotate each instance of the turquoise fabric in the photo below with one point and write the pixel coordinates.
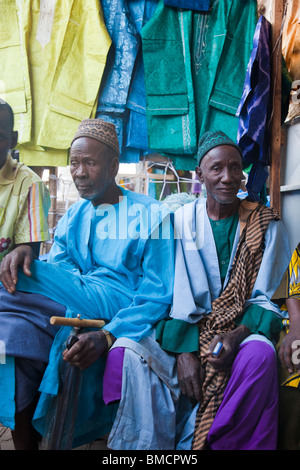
(7, 392)
(94, 419)
(195, 66)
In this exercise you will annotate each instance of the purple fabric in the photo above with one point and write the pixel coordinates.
(254, 108)
(112, 379)
(248, 416)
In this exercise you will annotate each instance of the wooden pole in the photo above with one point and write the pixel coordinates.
(275, 131)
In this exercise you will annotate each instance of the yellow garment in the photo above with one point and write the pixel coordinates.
(291, 39)
(294, 274)
(291, 52)
(292, 381)
(290, 283)
(14, 73)
(64, 45)
(24, 206)
(290, 287)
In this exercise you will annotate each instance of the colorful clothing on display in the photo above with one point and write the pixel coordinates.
(149, 373)
(57, 64)
(122, 97)
(254, 109)
(199, 5)
(168, 80)
(192, 85)
(122, 55)
(222, 45)
(24, 205)
(118, 260)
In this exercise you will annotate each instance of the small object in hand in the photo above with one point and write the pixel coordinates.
(217, 349)
(71, 340)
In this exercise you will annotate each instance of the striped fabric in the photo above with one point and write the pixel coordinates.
(24, 206)
(227, 308)
(37, 216)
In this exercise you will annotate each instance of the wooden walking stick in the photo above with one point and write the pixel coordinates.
(62, 413)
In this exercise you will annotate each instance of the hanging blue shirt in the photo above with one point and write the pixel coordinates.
(122, 97)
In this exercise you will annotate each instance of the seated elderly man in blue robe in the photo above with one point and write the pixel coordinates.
(230, 257)
(113, 259)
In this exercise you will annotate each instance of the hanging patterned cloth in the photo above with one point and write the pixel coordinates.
(254, 109)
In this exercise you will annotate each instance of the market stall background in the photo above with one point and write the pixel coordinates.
(164, 72)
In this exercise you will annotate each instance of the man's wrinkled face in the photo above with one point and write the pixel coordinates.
(93, 168)
(221, 172)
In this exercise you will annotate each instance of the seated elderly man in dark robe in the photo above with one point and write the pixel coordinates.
(112, 258)
(230, 257)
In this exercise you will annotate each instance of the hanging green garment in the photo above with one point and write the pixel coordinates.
(171, 122)
(59, 50)
(204, 78)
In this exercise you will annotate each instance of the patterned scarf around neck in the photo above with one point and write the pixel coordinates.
(254, 219)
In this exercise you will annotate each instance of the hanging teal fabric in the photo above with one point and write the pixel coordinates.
(199, 5)
(170, 101)
(222, 42)
(195, 66)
